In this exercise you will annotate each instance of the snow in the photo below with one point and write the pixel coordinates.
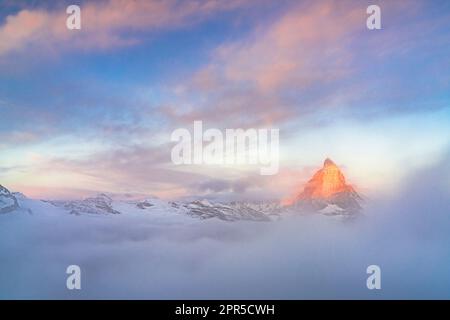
(331, 209)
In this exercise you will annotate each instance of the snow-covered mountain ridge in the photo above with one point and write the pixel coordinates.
(326, 193)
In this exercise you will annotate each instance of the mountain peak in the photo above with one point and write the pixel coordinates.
(328, 187)
(3, 190)
(8, 202)
(328, 162)
(326, 182)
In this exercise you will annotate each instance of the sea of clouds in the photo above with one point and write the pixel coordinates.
(143, 256)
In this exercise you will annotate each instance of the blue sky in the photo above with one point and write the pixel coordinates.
(92, 110)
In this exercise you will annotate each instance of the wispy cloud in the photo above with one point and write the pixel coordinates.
(319, 57)
(105, 24)
(305, 49)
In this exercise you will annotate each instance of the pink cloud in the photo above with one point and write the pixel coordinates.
(22, 28)
(143, 170)
(103, 23)
(297, 49)
(244, 82)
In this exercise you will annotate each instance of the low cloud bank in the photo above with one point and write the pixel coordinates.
(177, 257)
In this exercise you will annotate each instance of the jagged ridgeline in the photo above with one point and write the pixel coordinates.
(8, 202)
(326, 193)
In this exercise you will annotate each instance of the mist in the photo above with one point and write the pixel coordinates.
(407, 234)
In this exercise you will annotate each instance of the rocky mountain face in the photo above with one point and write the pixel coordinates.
(229, 211)
(8, 201)
(101, 204)
(328, 193)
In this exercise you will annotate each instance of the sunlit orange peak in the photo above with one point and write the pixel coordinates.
(326, 182)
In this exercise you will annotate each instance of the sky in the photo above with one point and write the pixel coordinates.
(92, 110)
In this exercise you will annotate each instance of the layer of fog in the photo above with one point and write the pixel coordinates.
(407, 235)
